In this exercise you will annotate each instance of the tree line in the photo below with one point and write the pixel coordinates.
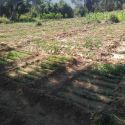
(13, 9)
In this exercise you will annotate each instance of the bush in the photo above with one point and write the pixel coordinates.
(51, 16)
(26, 18)
(114, 19)
(4, 20)
(38, 23)
(58, 16)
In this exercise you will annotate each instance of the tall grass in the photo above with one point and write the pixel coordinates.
(4, 20)
(99, 16)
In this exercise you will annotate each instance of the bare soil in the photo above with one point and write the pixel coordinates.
(70, 94)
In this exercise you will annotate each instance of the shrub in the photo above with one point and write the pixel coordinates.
(51, 16)
(4, 20)
(58, 16)
(26, 18)
(38, 23)
(114, 19)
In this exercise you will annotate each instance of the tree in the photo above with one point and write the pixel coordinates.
(65, 10)
(13, 8)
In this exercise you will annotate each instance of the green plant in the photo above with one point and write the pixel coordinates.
(54, 62)
(4, 20)
(14, 55)
(38, 23)
(99, 16)
(91, 42)
(51, 16)
(108, 69)
(26, 18)
(88, 42)
(52, 47)
(114, 19)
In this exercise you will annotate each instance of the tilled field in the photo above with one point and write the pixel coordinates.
(61, 73)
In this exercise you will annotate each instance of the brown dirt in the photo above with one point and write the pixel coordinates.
(68, 95)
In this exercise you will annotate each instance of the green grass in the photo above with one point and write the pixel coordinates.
(15, 55)
(99, 16)
(109, 69)
(12, 56)
(91, 42)
(48, 65)
(52, 47)
(54, 62)
(4, 20)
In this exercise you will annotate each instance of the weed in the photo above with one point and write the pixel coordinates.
(114, 19)
(52, 47)
(88, 42)
(92, 42)
(38, 23)
(99, 16)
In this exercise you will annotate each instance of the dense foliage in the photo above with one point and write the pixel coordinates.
(13, 9)
(97, 6)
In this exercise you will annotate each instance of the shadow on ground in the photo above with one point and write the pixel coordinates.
(68, 95)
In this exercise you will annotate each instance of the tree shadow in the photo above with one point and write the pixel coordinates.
(67, 94)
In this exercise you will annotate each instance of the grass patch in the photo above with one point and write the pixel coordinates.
(4, 20)
(99, 16)
(3, 61)
(15, 55)
(92, 42)
(48, 65)
(109, 69)
(12, 56)
(54, 62)
(52, 47)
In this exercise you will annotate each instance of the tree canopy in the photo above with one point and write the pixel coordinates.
(14, 8)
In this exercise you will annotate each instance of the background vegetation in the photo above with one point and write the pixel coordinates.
(28, 10)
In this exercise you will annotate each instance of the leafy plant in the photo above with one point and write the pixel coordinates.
(88, 42)
(114, 19)
(91, 42)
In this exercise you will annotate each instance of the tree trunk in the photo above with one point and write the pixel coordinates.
(14, 14)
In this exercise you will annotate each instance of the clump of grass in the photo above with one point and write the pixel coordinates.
(38, 23)
(54, 62)
(109, 69)
(91, 42)
(88, 42)
(4, 20)
(114, 19)
(100, 16)
(3, 61)
(52, 47)
(14, 55)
